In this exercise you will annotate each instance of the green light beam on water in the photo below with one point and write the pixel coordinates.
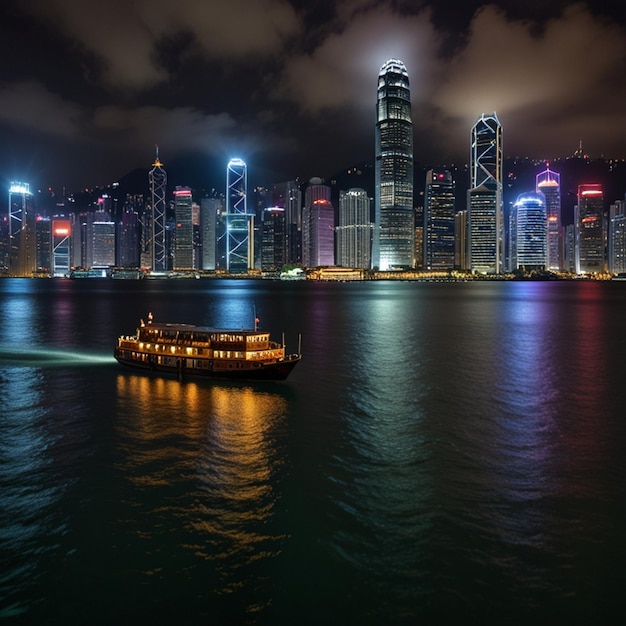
(47, 357)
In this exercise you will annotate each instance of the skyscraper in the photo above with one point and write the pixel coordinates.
(154, 231)
(484, 205)
(239, 223)
(22, 238)
(439, 220)
(549, 183)
(617, 237)
(590, 230)
(394, 229)
(318, 225)
(354, 232)
(531, 231)
(273, 244)
(183, 235)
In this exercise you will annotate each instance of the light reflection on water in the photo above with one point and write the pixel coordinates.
(207, 456)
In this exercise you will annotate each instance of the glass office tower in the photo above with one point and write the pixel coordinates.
(590, 230)
(484, 204)
(531, 231)
(394, 230)
(549, 183)
(239, 223)
(439, 220)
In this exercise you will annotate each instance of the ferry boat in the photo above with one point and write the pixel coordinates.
(189, 350)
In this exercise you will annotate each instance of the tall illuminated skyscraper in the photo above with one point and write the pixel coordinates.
(394, 229)
(318, 225)
(22, 238)
(484, 204)
(590, 230)
(439, 220)
(154, 231)
(354, 233)
(531, 231)
(239, 223)
(617, 237)
(183, 235)
(549, 183)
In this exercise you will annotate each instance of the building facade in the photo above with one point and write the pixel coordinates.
(531, 231)
(355, 229)
(549, 183)
(239, 222)
(590, 230)
(318, 225)
(183, 235)
(394, 229)
(438, 242)
(484, 203)
(617, 238)
(154, 238)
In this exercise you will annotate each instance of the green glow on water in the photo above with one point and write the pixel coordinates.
(41, 357)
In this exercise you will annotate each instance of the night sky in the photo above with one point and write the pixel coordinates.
(87, 88)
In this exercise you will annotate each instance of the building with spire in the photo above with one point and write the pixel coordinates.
(154, 246)
(394, 228)
(484, 200)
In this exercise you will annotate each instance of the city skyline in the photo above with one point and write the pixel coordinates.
(80, 108)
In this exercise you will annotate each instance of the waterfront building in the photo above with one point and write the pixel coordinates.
(239, 222)
(273, 246)
(210, 208)
(617, 237)
(103, 250)
(460, 241)
(484, 203)
(590, 230)
(394, 229)
(154, 246)
(531, 231)
(318, 225)
(43, 245)
(549, 183)
(183, 235)
(354, 232)
(21, 231)
(127, 239)
(288, 196)
(61, 247)
(438, 241)
(569, 248)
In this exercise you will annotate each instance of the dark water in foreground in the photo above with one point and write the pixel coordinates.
(444, 452)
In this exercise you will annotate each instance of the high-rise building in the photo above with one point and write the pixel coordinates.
(590, 230)
(210, 208)
(273, 246)
(239, 221)
(154, 248)
(127, 239)
(318, 225)
(43, 237)
(531, 231)
(394, 229)
(183, 235)
(617, 237)
(61, 247)
(354, 232)
(549, 183)
(460, 241)
(484, 205)
(22, 237)
(103, 244)
(289, 197)
(439, 220)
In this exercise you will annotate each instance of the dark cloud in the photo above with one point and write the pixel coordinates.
(292, 83)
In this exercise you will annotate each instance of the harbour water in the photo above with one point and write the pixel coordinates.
(444, 452)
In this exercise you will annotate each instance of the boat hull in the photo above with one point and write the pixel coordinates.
(278, 370)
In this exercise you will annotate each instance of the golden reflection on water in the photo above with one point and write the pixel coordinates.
(213, 454)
